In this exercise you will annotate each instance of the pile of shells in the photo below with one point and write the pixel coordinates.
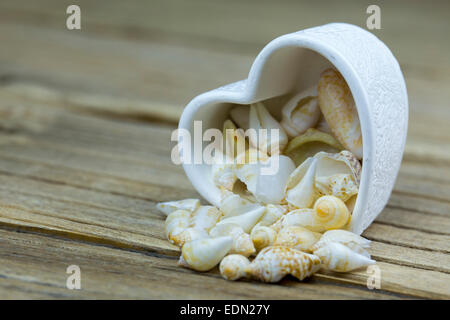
(293, 221)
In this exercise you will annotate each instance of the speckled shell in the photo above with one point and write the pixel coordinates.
(274, 262)
(338, 107)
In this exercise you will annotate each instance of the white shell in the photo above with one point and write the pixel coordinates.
(344, 162)
(241, 240)
(273, 213)
(223, 172)
(345, 237)
(234, 266)
(297, 237)
(171, 206)
(205, 254)
(246, 220)
(323, 126)
(176, 222)
(260, 118)
(233, 205)
(274, 262)
(337, 257)
(341, 185)
(298, 118)
(300, 191)
(262, 236)
(240, 115)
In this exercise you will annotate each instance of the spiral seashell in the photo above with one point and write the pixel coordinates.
(171, 206)
(176, 222)
(300, 191)
(347, 238)
(240, 115)
(273, 263)
(297, 237)
(337, 257)
(262, 236)
(182, 227)
(301, 112)
(260, 118)
(337, 174)
(246, 220)
(234, 266)
(310, 143)
(233, 204)
(204, 254)
(339, 110)
(273, 213)
(331, 212)
(241, 241)
(298, 217)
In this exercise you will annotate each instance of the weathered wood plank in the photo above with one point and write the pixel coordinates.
(33, 266)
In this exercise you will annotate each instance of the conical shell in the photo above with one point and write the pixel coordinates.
(262, 237)
(273, 263)
(205, 254)
(345, 237)
(234, 205)
(299, 217)
(331, 212)
(240, 115)
(298, 238)
(241, 240)
(247, 220)
(205, 217)
(310, 143)
(300, 191)
(234, 266)
(273, 213)
(301, 112)
(171, 206)
(260, 118)
(337, 257)
(339, 109)
(187, 235)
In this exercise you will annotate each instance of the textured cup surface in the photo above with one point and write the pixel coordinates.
(292, 63)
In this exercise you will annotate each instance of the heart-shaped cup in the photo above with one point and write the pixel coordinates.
(294, 62)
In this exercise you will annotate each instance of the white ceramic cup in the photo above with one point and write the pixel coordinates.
(294, 62)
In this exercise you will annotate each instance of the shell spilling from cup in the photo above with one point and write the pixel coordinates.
(288, 188)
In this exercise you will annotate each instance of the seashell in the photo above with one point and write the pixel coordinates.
(350, 203)
(205, 217)
(262, 236)
(270, 187)
(339, 110)
(297, 237)
(204, 254)
(246, 220)
(233, 205)
(176, 222)
(241, 240)
(337, 257)
(343, 162)
(310, 143)
(323, 126)
(331, 212)
(234, 266)
(341, 185)
(240, 115)
(344, 237)
(300, 191)
(187, 235)
(273, 213)
(274, 262)
(171, 206)
(300, 217)
(301, 112)
(260, 118)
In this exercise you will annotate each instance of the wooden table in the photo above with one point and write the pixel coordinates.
(85, 123)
